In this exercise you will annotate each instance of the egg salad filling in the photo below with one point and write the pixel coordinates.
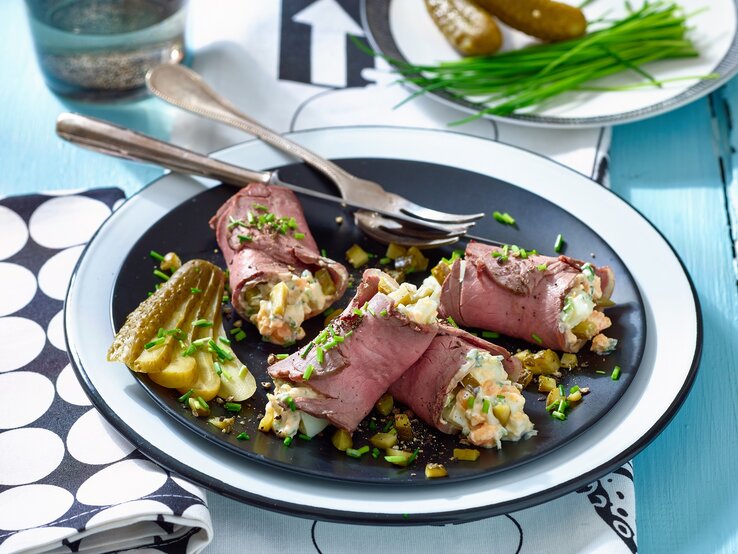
(418, 304)
(485, 406)
(282, 417)
(279, 307)
(579, 319)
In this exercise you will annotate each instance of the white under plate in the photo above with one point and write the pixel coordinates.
(660, 386)
(403, 29)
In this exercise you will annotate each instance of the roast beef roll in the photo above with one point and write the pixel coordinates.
(463, 384)
(338, 376)
(278, 278)
(553, 302)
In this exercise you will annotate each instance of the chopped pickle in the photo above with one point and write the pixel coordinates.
(386, 286)
(553, 397)
(466, 454)
(419, 261)
(575, 396)
(544, 362)
(222, 423)
(470, 381)
(384, 440)
(341, 439)
(404, 429)
(198, 408)
(401, 296)
(397, 274)
(171, 262)
(441, 271)
(266, 422)
(385, 404)
(434, 471)
(400, 458)
(546, 384)
(502, 413)
(394, 251)
(569, 361)
(585, 330)
(326, 282)
(278, 298)
(357, 256)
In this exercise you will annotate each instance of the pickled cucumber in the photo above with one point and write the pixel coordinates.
(467, 27)
(544, 19)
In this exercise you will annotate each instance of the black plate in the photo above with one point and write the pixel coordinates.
(185, 230)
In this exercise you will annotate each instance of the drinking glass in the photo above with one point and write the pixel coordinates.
(101, 49)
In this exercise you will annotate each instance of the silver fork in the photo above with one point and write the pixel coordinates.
(185, 89)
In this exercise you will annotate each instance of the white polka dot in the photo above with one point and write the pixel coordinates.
(92, 440)
(15, 233)
(69, 388)
(19, 287)
(25, 396)
(121, 482)
(33, 538)
(33, 505)
(67, 221)
(55, 331)
(25, 465)
(27, 340)
(123, 511)
(53, 278)
(189, 487)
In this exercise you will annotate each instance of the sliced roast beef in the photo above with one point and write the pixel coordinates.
(265, 240)
(554, 302)
(426, 386)
(342, 373)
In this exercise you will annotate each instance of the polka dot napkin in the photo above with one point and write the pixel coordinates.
(68, 481)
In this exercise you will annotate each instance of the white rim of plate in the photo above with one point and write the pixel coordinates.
(377, 26)
(664, 378)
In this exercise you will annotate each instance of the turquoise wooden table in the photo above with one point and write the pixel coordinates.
(677, 169)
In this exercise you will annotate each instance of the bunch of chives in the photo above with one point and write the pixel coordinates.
(512, 81)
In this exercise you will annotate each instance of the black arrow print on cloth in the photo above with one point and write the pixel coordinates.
(315, 47)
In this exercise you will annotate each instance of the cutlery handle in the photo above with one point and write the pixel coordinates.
(182, 87)
(107, 138)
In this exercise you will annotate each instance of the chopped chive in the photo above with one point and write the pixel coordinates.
(224, 340)
(372, 425)
(290, 403)
(452, 322)
(222, 354)
(260, 207)
(240, 335)
(389, 425)
(358, 312)
(218, 368)
(496, 254)
(202, 323)
(292, 223)
(615, 373)
(160, 332)
(395, 459)
(370, 310)
(323, 253)
(234, 330)
(364, 449)
(245, 238)
(233, 222)
(227, 375)
(320, 355)
(353, 453)
(185, 397)
(158, 257)
(470, 402)
(201, 342)
(490, 335)
(504, 218)
(308, 372)
(161, 275)
(551, 406)
(574, 389)
(542, 267)
(287, 441)
(203, 404)
(505, 250)
(383, 313)
(500, 397)
(308, 348)
(195, 290)
(190, 350)
(305, 437)
(282, 356)
(234, 407)
(347, 335)
(413, 456)
(561, 390)
(485, 406)
(384, 261)
(559, 243)
(536, 338)
(600, 372)
(243, 371)
(243, 436)
(375, 453)
(299, 236)
(559, 416)
(523, 254)
(155, 342)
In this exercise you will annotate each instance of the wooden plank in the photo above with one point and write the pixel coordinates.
(685, 480)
